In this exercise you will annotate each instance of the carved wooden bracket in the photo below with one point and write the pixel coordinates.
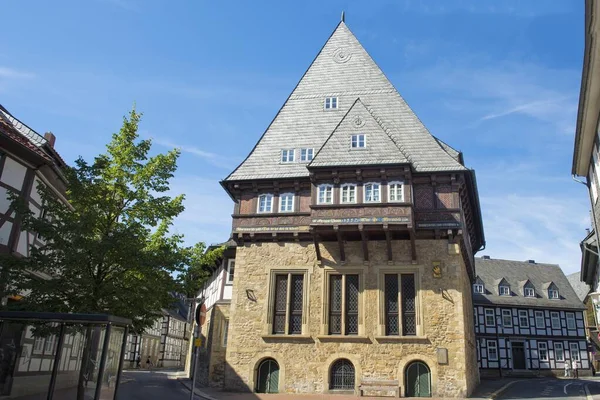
(413, 246)
(317, 248)
(365, 242)
(340, 241)
(388, 240)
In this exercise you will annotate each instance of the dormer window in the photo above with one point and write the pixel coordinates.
(306, 154)
(504, 290)
(348, 193)
(529, 292)
(358, 141)
(287, 155)
(395, 192)
(325, 194)
(372, 193)
(331, 103)
(553, 294)
(478, 288)
(265, 203)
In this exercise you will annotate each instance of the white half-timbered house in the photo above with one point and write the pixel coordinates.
(528, 319)
(216, 293)
(27, 160)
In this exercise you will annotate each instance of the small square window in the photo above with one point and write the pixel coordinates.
(529, 292)
(553, 294)
(306, 154)
(287, 155)
(504, 291)
(478, 288)
(331, 103)
(358, 141)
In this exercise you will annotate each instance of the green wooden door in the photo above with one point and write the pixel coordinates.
(418, 380)
(268, 377)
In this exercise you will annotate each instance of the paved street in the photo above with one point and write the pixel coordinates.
(145, 385)
(552, 388)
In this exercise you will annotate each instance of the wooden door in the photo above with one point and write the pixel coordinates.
(418, 380)
(268, 377)
(518, 355)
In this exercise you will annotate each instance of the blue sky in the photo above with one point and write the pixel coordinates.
(496, 80)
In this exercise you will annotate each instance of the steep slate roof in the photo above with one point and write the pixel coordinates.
(344, 69)
(540, 275)
(581, 288)
(380, 148)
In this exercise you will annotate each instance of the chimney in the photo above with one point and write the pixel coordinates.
(486, 257)
(49, 136)
(531, 261)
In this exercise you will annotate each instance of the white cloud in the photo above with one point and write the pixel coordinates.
(11, 73)
(212, 158)
(543, 228)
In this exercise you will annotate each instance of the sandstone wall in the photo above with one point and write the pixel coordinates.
(445, 312)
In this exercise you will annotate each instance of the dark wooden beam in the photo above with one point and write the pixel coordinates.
(365, 242)
(413, 246)
(315, 236)
(340, 240)
(388, 240)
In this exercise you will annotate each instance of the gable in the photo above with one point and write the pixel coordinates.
(345, 70)
(380, 148)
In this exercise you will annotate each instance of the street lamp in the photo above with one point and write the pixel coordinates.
(498, 327)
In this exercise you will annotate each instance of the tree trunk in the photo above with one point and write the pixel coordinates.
(85, 367)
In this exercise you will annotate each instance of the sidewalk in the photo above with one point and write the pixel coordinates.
(215, 394)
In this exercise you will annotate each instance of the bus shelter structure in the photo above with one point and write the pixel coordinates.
(60, 355)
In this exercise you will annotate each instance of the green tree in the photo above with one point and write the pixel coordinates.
(200, 265)
(109, 250)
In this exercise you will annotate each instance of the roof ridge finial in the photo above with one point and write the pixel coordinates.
(343, 16)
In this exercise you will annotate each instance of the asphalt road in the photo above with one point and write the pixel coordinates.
(145, 385)
(572, 389)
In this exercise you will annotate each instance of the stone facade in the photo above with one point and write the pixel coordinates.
(211, 364)
(445, 318)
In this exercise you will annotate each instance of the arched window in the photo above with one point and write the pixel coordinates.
(417, 378)
(395, 191)
(265, 203)
(342, 375)
(267, 377)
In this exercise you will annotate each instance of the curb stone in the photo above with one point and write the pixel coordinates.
(197, 392)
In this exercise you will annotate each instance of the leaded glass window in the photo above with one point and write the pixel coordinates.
(409, 309)
(288, 304)
(400, 304)
(344, 295)
(392, 327)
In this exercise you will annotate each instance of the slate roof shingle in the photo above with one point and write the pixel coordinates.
(344, 69)
(582, 289)
(491, 271)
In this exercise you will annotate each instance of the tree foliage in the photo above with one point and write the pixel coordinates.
(109, 250)
(201, 263)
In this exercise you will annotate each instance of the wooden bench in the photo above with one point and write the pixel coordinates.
(379, 385)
